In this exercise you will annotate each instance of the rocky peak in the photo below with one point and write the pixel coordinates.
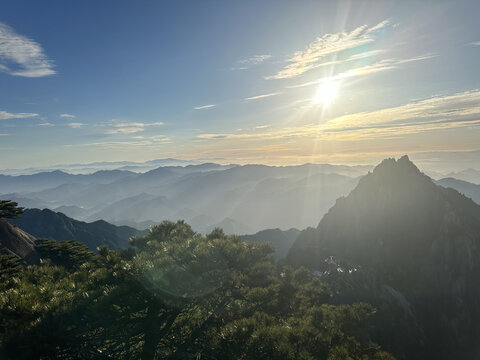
(18, 242)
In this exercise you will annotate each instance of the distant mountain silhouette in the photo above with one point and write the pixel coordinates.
(470, 175)
(281, 240)
(257, 196)
(410, 241)
(57, 226)
(230, 226)
(463, 187)
(45, 180)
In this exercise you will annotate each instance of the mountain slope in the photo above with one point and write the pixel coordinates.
(281, 240)
(419, 239)
(49, 224)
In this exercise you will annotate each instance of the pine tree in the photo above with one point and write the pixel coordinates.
(10, 209)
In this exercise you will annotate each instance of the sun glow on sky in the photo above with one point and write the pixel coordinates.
(327, 92)
(320, 81)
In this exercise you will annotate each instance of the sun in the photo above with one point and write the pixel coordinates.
(326, 92)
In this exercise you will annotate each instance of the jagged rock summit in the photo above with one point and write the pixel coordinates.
(396, 218)
(418, 238)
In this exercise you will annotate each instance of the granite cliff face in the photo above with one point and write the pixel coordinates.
(418, 241)
(18, 242)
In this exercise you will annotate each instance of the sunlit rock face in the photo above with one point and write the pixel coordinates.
(418, 238)
(18, 242)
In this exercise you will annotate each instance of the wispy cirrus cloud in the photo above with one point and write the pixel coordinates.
(76, 125)
(382, 65)
(255, 59)
(67, 116)
(125, 127)
(455, 111)
(5, 115)
(475, 43)
(310, 58)
(21, 56)
(134, 142)
(365, 54)
(262, 96)
(203, 107)
(244, 64)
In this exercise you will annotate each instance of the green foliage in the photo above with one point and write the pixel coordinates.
(10, 268)
(69, 254)
(10, 209)
(181, 295)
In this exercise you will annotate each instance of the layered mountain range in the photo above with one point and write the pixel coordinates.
(206, 195)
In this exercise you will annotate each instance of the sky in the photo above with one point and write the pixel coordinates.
(273, 82)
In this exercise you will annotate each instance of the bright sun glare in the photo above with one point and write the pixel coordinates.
(327, 92)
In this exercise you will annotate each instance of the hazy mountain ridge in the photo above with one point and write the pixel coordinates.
(466, 188)
(285, 197)
(281, 240)
(57, 226)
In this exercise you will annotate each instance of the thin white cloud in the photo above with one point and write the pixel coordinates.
(475, 43)
(382, 65)
(5, 115)
(262, 126)
(455, 111)
(261, 96)
(310, 58)
(45, 124)
(21, 56)
(67, 116)
(202, 107)
(75, 125)
(440, 109)
(365, 54)
(3, 134)
(136, 142)
(255, 59)
(123, 127)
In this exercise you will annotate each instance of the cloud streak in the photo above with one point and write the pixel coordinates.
(261, 96)
(21, 56)
(203, 107)
(136, 142)
(75, 125)
(5, 115)
(437, 113)
(122, 127)
(305, 60)
(382, 65)
(67, 116)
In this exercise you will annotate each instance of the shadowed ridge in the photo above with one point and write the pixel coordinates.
(418, 239)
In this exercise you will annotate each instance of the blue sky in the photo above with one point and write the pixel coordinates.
(276, 82)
